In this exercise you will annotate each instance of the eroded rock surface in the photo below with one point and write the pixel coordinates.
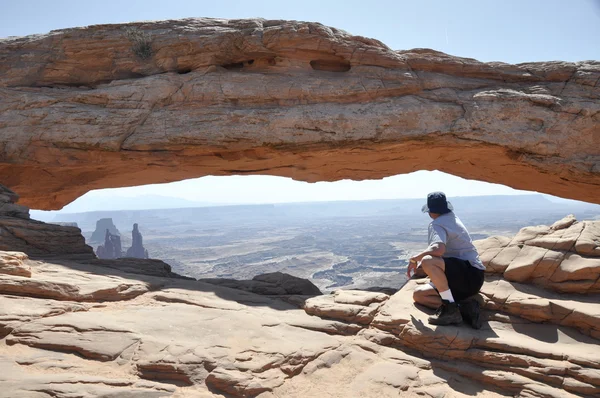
(74, 329)
(9, 206)
(84, 109)
(564, 257)
(21, 234)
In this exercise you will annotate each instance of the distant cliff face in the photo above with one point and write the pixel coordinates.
(102, 226)
(179, 99)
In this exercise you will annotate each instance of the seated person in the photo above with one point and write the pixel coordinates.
(453, 265)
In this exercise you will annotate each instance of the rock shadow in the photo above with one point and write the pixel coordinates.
(156, 276)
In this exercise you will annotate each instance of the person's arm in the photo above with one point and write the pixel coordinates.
(436, 249)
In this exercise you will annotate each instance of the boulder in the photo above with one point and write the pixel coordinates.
(271, 284)
(521, 357)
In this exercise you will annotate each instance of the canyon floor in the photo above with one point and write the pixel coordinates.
(349, 245)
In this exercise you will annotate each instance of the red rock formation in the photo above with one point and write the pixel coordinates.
(93, 108)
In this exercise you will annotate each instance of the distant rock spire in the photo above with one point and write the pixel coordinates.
(137, 249)
(111, 248)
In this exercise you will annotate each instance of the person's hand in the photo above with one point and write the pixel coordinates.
(412, 267)
(414, 259)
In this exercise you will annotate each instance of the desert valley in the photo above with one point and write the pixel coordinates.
(333, 244)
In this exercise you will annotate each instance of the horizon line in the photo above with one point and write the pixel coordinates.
(234, 204)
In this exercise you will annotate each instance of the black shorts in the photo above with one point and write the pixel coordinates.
(464, 280)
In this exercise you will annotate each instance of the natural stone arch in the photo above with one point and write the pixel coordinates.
(85, 108)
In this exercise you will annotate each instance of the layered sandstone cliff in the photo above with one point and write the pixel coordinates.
(20, 233)
(89, 329)
(120, 105)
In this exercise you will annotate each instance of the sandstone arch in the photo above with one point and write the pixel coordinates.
(80, 110)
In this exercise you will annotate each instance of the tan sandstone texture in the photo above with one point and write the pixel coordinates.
(96, 328)
(123, 105)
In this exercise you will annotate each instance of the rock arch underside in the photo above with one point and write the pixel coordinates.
(108, 106)
(101, 106)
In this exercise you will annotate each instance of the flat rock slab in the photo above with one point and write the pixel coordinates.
(184, 333)
(358, 297)
(363, 369)
(340, 306)
(42, 374)
(71, 281)
(15, 310)
(540, 305)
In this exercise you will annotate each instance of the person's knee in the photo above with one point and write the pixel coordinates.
(428, 262)
(417, 296)
(421, 293)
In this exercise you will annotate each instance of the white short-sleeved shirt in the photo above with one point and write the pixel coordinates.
(449, 230)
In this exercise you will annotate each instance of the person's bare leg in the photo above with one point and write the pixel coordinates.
(427, 296)
(435, 268)
(449, 313)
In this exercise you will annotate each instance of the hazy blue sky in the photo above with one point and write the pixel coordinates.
(511, 31)
(261, 189)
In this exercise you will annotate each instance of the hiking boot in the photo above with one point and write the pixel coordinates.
(470, 312)
(447, 314)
